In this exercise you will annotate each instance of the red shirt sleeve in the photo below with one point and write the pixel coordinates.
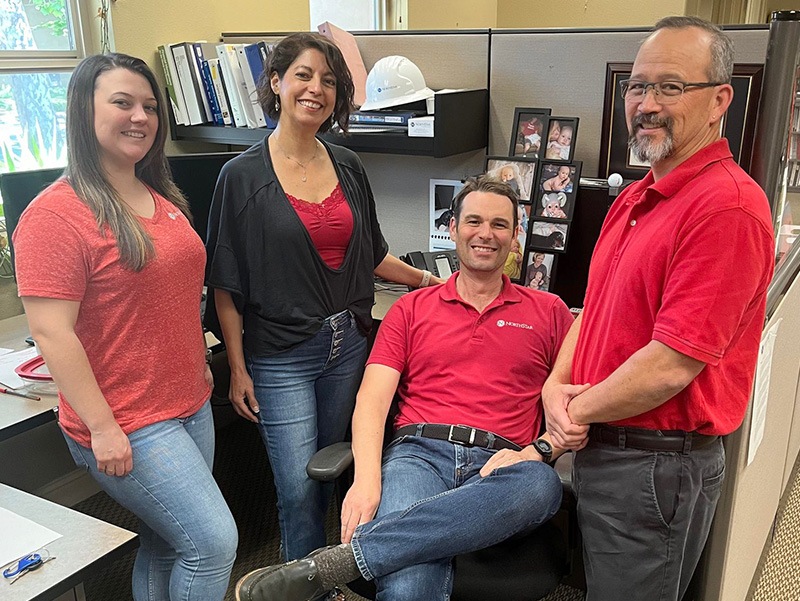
(391, 343)
(50, 255)
(715, 277)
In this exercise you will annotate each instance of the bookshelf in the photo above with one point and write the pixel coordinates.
(462, 125)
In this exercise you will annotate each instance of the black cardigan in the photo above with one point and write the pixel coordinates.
(260, 251)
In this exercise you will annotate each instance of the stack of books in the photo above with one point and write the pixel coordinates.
(215, 83)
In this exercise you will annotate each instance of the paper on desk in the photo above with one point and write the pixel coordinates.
(21, 536)
(9, 362)
(761, 390)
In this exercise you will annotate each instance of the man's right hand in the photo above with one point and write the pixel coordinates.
(242, 395)
(564, 433)
(359, 507)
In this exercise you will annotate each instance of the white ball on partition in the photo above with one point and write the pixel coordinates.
(614, 180)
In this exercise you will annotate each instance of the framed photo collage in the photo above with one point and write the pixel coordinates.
(542, 170)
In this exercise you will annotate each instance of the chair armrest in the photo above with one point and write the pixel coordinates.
(329, 463)
(563, 467)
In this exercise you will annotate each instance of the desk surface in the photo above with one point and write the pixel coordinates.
(17, 414)
(85, 545)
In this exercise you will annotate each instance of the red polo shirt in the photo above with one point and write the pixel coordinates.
(685, 261)
(459, 366)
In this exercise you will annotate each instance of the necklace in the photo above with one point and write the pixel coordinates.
(302, 165)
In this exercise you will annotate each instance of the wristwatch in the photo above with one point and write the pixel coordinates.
(544, 448)
(209, 356)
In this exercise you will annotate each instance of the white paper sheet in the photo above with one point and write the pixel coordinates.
(761, 390)
(9, 362)
(21, 536)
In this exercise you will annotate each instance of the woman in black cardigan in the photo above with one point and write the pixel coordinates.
(293, 244)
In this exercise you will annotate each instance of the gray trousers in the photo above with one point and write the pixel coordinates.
(644, 517)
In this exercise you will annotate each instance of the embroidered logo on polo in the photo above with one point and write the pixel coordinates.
(501, 323)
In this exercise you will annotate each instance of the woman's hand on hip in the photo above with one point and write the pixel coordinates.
(112, 450)
(242, 395)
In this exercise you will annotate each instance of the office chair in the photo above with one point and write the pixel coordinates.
(523, 568)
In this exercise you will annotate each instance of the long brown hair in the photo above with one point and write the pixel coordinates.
(85, 172)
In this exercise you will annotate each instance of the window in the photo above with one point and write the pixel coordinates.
(41, 41)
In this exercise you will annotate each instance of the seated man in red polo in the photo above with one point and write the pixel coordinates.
(473, 351)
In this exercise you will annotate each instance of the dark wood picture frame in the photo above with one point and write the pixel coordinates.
(521, 115)
(738, 125)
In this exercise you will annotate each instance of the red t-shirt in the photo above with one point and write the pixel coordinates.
(329, 223)
(483, 370)
(141, 331)
(685, 261)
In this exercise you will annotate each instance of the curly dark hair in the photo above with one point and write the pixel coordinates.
(286, 52)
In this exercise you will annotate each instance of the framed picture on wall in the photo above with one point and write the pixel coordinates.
(517, 172)
(527, 131)
(540, 270)
(557, 189)
(547, 235)
(562, 135)
(738, 125)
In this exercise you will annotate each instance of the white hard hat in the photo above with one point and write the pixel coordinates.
(394, 80)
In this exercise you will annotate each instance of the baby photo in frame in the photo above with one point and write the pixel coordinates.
(557, 189)
(517, 172)
(547, 235)
(562, 135)
(539, 270)
(527, 131)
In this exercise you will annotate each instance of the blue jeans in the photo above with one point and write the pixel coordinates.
(306, 397)
(188, 536)
(435, 505)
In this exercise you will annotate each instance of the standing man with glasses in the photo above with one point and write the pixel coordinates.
(669, 334)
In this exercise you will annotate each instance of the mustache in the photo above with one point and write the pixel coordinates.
(651, 119)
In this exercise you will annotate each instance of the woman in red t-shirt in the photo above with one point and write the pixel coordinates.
(110, 273)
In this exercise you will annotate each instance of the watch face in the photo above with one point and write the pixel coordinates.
(545, 449)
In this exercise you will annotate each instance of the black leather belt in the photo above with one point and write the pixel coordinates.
(650, 440)
(462, 435)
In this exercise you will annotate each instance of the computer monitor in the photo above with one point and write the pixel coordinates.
(195, 174)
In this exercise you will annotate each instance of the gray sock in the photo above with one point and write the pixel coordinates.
(337, 565)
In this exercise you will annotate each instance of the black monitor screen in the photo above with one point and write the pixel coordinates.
(195, 174)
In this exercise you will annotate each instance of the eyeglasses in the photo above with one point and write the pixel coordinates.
(666, 92)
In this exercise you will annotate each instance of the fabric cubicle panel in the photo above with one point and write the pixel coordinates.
(566, 71)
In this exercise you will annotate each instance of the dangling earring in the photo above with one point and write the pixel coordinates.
(277, 105)
(333, 120)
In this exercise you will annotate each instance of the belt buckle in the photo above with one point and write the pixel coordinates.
(469, 441)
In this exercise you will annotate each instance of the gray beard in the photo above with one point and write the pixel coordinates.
(652, 152)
